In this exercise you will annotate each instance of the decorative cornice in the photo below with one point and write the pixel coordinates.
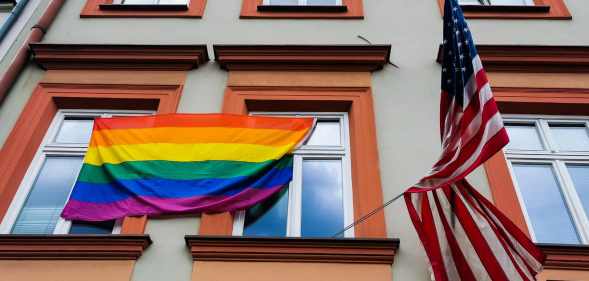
(220, 248)
(566, 256)
(303, 57)
(72, 247)
(528, 58)
(143, 57)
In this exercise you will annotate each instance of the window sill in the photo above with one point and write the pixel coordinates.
(72, 247)
(255, 9)
(303, 9)
(505, 8)
(143, 7)
(106, 9)
(571, 257)
(230, 248)
(543, 10)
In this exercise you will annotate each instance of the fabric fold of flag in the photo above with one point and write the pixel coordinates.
(465, 237)
(183, 163)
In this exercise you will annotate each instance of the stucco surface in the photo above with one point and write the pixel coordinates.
(66, 270)
(405, 98)
(271, 271)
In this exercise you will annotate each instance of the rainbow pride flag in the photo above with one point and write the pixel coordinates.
(183, 163)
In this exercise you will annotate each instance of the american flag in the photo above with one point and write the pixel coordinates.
(465, 237)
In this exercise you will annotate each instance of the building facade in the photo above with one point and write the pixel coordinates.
(367, 69)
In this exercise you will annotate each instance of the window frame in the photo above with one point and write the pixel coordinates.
(313, 152)
(106, 9)
(348, 9)
(48, 148)
(541, 9)
(558, 160)
(475, 2)
(301, 2)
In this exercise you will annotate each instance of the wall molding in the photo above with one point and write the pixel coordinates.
(302, 57)
(72, 247)
(571, 257)
(531, 58)
(227, 248)
(141, 57)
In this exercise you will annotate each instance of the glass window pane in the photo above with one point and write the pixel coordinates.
(81, 227)
(322, 2)
(284, 2)
(570, 137)
(545, 204)
(47, 196)
(325, 133)
(580, 176)
(322, 206)
(75, 130)
(173, 2)
(509, 2)
(269, 217)
(523, 137)
(138, 1)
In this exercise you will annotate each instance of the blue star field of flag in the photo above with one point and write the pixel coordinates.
(458, 52)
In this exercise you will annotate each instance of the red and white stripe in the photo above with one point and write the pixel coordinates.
(464, 235)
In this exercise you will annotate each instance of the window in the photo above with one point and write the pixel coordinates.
(497, 2)
(303, 2)
(144, 8)
(318, 201)
(302, 9)
(513, 9)
(44, 190)
(549, 161)
(151, 2)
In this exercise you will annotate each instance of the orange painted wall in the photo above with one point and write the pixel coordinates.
(273, 271)
(568, 275)
(66, 270)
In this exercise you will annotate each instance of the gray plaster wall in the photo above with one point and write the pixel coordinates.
(406, 98)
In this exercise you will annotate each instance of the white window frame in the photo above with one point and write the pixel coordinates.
(293, 224)
(49, 147)
(551, 155)
(490, 2)
(302, 2)
(154, 2)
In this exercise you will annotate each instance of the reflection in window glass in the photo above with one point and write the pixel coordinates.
(570, 137)
(545, 204)
(322, 208)
(326, 133)
(322, 2)
(580, 177)
(523, 137)
(283, 2)
(48, 195)
(75, 130)
(269, 217)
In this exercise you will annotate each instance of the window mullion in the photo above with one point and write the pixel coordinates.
(574, 202)
(238, 223)
(295, 201)
(546, 135)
